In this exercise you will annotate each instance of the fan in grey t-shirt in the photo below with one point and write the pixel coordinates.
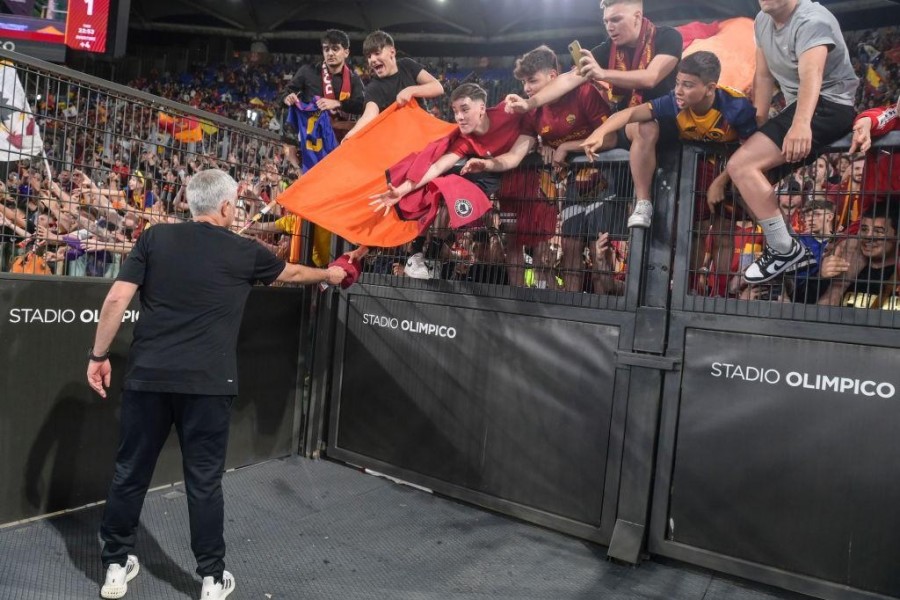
(819, 112)
(811, 25)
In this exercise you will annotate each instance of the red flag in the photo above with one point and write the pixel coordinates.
(335, 193)
(696, 31)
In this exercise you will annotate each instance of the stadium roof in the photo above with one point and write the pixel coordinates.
(467, 24)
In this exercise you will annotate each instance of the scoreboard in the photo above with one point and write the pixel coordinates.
(45, 28)
(86, 25)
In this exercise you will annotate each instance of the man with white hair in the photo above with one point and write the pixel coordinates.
(194, 280)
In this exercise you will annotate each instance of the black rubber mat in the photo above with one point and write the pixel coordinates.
(300, 529)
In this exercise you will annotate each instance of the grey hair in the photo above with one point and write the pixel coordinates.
(207, 191)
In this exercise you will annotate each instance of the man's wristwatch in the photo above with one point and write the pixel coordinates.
(93, 357)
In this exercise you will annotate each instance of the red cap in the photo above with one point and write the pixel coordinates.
(352, 267)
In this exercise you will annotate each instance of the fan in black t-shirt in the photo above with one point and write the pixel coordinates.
(867, 279)
(393, 80)
(329, 92)
(325, 85)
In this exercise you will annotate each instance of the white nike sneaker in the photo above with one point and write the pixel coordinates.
(416, 267)
(771, 264)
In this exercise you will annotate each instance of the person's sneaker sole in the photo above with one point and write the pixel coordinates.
(638, 224)
(117, 591)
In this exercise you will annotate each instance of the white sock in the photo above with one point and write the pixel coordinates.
(778, 234)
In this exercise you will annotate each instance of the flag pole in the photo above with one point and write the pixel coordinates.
(47, 166)
(266, 210)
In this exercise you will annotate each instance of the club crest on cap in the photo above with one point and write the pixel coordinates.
(463, 207)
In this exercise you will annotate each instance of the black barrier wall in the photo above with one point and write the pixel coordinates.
(777, 449)
(757, 434)
(819, 434)
(494, 403)
(58, 439)
(778, 454)
(515, 397)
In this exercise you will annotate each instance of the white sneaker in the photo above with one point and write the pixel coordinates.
(416, 267)
(771, 264)
(641, 215)
(216, 591)
(117, 578)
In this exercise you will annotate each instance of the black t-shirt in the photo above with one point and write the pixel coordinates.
(307, 84)
(871, 280)
(668, 41)
(383, 92)
(7, 235)
(194, 281)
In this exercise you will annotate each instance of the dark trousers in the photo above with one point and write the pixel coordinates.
(202, 426)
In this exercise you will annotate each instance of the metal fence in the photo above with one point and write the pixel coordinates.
(88, 165)
(94, 164)
(840, 206)
(553, 235)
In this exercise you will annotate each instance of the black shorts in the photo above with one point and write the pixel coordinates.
(668, 134)
(830, 122)
(489, 182)
(587, 220)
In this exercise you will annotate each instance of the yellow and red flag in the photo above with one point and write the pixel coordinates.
(183, 129)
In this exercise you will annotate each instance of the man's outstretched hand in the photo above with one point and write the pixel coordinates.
(385, 200)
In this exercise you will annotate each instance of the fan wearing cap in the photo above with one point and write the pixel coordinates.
(818, 218)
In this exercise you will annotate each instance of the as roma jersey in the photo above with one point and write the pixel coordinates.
(572, 117)
(731, 117)
(505, 129)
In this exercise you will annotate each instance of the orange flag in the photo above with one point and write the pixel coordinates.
(732, 42)
(334, 194)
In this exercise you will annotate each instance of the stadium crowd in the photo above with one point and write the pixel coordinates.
(118, 166)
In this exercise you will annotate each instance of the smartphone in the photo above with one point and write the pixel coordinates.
(575, 51)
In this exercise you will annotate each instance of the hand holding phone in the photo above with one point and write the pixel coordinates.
(575, 51)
